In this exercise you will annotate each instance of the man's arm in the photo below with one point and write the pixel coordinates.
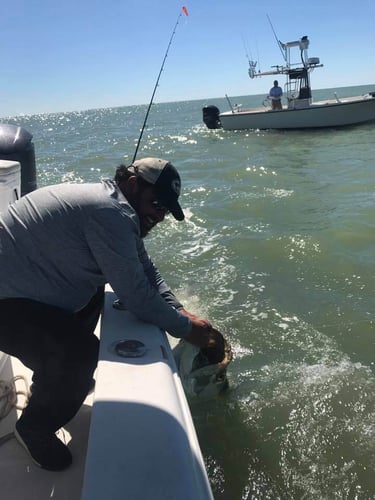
(202, 333)
(113, 238)
(115, 243)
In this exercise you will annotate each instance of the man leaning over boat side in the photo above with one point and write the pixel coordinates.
(59, 246)
(275, 95)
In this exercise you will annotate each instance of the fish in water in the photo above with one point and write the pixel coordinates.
(201, 373)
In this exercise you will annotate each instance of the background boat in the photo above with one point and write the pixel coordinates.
(300, 110)
(330, 113)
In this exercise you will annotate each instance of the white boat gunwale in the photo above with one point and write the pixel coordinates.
(315, 105)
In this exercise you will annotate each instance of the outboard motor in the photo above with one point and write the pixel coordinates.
(211, 116)
(16, 145)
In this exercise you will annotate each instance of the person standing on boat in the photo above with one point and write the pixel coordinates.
(275, 95)
(59, 246)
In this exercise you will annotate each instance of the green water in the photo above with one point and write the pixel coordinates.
(278, 251)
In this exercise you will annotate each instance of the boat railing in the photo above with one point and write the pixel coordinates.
(291, 90)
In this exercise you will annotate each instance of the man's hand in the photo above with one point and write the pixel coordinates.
(208, 339)
(193, 317)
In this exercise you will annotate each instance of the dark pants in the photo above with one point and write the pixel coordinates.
(62, 351)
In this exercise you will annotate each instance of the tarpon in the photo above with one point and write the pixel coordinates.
(199, 375)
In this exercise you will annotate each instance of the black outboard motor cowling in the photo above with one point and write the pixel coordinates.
(211, 116)
(16, 145)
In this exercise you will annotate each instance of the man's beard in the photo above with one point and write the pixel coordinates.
(145, 231)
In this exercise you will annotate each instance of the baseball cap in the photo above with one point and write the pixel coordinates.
(164, 176)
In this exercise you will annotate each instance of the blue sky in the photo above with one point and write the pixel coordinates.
(80, 54)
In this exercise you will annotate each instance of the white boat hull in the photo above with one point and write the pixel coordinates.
(321, 114)
(142, 441)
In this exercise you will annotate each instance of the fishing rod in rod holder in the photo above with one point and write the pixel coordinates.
(184, 10)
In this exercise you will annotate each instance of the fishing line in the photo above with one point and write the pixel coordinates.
(183, 11)
(246, 51)
(258, 57)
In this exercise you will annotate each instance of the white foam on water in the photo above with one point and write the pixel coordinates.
(320, 414)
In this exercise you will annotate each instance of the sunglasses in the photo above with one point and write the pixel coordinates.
(158, 206)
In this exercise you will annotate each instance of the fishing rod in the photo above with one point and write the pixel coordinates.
(183, 10)
(277, 40)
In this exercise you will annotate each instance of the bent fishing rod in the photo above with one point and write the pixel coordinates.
(184, 10)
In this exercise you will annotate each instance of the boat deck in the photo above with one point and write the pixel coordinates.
(20, 478)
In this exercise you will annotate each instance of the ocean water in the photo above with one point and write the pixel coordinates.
(277, 250)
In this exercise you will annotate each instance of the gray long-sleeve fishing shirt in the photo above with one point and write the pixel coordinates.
(59, 243)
